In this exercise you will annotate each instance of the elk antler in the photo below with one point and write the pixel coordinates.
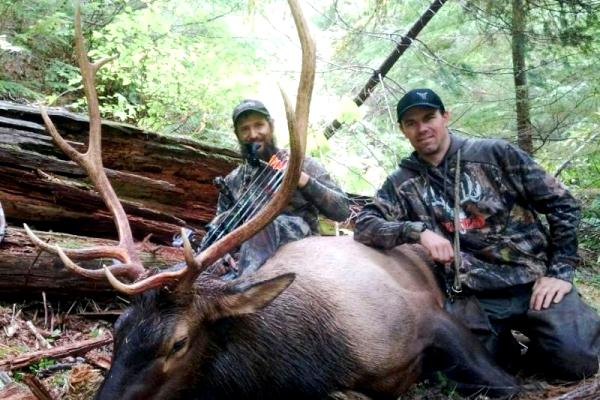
(91, 162)
(297, 125)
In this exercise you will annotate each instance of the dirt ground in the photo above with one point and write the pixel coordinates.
(77, 377)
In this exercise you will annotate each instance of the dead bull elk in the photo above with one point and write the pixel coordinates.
(323, 317)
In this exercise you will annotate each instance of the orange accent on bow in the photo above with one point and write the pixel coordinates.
(276, 163)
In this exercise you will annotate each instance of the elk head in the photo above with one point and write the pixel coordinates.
(171, 308)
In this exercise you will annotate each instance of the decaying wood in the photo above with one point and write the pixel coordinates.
(108, 314)
(14, 391)
(26, 269)
(164, 182)
(72, 349)
(37, 387)
(99, 360)
(41, 340)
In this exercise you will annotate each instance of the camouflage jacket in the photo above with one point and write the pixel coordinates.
(503, 191)
(320, 195)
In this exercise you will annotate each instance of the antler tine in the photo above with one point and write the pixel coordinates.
(84, 254)
(298, 124)
(91, 162)
(160, 279)
(307, 74)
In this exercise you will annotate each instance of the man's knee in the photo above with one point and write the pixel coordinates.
(566, 344)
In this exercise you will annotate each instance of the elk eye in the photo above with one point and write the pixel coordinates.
(178, 345)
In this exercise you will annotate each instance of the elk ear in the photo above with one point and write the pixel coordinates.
(246, 298)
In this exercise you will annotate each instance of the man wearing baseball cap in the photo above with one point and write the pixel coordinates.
(317, 193)
(476, 206)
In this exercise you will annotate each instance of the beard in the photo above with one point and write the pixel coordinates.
(264, 153)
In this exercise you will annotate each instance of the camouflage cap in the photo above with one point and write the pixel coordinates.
(249, 105)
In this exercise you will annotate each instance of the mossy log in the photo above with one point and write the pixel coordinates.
(25, 270)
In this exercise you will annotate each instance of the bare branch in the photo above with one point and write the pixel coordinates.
(568, 161)
(389, 62)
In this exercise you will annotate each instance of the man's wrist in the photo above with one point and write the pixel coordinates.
(414, 231)
(565, 273)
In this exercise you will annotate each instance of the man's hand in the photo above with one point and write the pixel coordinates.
(438, 246)
(547, 290)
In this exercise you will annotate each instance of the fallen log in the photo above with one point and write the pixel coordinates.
(163, 182)
(37, 388)
(24, 268)
(14, 391)
(72, 349)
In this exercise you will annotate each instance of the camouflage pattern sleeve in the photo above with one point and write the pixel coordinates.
(548, 196)
(382, 223)
(324, 193)
(233, 182)
(222, 204)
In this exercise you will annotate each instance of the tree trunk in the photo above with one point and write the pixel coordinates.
(164, 183)
(519, 41)
(25, 269)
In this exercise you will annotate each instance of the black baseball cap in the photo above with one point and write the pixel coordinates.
(419, 98)
(249, 105)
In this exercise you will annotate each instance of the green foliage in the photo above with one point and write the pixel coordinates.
(16, 90)
(61, 76)
(349, 112)
(589, 228)
(182, 65)
(40, 365)
(60, 379)
(464, 54)
(96, 332)
(178, 68)
(178, 71)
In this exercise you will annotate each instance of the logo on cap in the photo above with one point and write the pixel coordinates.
(422, 95)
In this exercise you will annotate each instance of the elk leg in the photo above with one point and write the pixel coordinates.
(457, 353)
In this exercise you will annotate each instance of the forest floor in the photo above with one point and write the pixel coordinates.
(78, 376)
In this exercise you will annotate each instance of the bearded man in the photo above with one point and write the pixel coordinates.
(316, 194)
